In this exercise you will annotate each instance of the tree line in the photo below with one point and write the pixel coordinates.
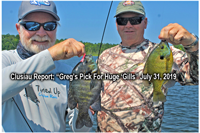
(10, 42)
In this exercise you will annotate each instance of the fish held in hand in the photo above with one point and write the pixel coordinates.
(160, 61)
(85, 93)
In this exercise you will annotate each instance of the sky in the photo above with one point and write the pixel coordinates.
(85, 20)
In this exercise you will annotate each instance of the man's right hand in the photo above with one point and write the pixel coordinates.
(67, 49)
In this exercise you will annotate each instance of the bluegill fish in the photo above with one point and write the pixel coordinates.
(85, 93)
(160, 61)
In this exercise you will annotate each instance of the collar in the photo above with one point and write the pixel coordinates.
(23, 53)
(133, 46)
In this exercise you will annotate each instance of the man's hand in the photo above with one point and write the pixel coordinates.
(91, 110)
(67, 49)
(176, 34)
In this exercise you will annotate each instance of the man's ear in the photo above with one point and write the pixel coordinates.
(145, 22)
(17, 25)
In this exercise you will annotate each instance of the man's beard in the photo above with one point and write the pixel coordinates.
(32, 47)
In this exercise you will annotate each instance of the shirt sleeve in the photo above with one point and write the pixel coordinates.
(72, 116)
(40, 63)
(187, 62)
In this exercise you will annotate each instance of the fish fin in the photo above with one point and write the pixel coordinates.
(83, 119)
(158, 96)
(169, 83)
(88, 121)
(76, 67)
(102, 86)
(98, 71)
(97, 105)
(145, 69)
(92, 84)
(95, 84)
(79, 122)
(146, 83)
(72, 104)
(71, 101)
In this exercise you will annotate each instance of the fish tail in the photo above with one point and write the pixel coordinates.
(88, 121)
(158, 96)
(83, 119)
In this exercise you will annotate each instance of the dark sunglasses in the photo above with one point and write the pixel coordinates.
(34, 26)
(132, 20)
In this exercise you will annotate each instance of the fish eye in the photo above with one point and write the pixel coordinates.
(161, 57)
(162, 47)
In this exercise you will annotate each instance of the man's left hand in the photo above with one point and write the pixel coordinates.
(176, 34)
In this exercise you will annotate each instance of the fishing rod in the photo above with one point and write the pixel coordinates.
(104, 31)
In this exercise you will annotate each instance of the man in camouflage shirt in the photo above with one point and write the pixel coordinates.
(127, 105)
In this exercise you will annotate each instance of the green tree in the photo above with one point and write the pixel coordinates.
(10, 42)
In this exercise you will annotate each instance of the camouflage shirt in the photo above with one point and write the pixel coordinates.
(127, 105)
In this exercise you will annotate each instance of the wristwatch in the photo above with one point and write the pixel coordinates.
(194, 43)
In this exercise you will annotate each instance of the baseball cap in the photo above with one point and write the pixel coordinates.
(130, 6)
(27, 7)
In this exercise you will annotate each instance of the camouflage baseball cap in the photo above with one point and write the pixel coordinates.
(130, 6)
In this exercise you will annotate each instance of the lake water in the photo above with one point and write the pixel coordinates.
(181, 108)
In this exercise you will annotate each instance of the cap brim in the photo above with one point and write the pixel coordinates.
(42, 10)
(128, 11)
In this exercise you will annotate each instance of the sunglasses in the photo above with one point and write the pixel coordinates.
(132, 20)
(34, 26)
